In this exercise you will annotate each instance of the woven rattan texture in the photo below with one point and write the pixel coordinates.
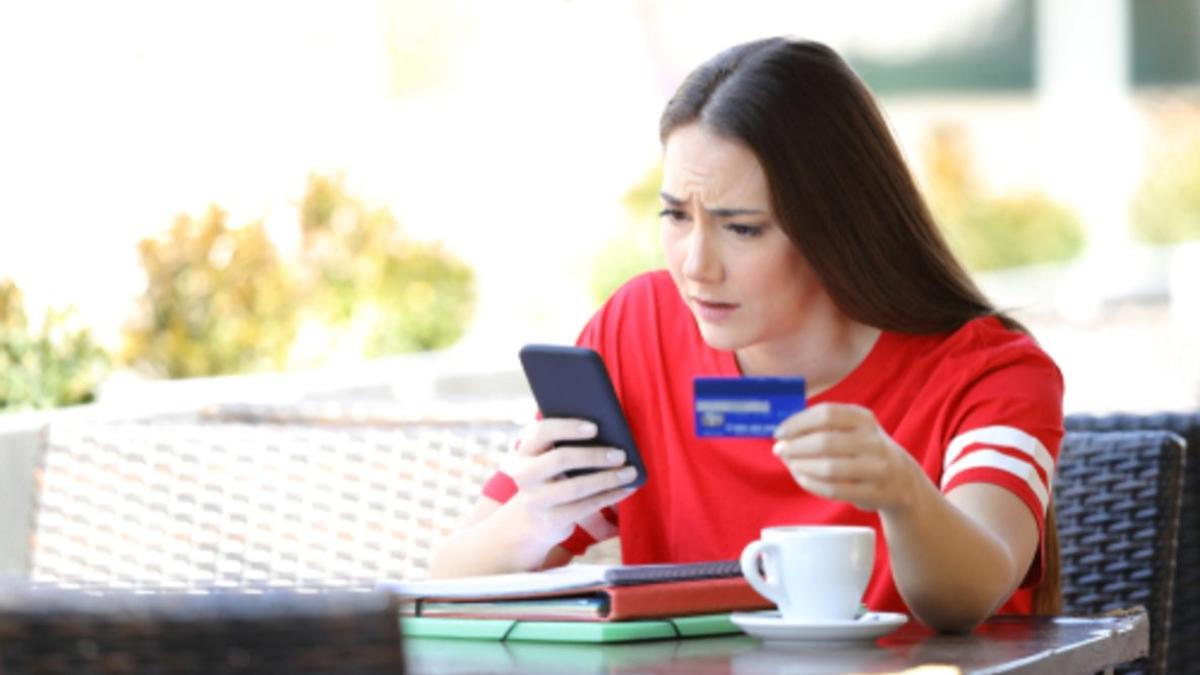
(183, 505)
(64, 631)
(1117, 497)
(1183, 645)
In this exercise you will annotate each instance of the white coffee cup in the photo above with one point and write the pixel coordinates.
(813, 572)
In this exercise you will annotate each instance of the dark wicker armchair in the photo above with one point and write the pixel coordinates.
(1117, 497)
(50, 630)
(1184, 643)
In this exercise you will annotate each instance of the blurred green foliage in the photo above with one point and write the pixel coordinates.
(1166, 209)
(361, 270)
(222, 300)
(58, 364)
(992, 232)
(637, 247)
(218, 300)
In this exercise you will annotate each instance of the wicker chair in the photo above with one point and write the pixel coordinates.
(49, 630)
(1184, 641)
(1117, 497)
(182, 505)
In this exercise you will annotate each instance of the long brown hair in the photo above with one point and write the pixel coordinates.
(839, 185)
(843, 194)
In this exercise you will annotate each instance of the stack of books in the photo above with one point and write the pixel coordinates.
(582, 603)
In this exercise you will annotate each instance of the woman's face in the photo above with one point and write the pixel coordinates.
(745, 282)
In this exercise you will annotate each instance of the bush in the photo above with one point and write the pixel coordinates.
(360, 270)
(637, 247)
(1166, 209)
(992, 232)
(1016, 230)
(59, 364)
(220, 300)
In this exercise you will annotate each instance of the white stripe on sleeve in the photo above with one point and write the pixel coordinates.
(1000, 436)
(990, 459)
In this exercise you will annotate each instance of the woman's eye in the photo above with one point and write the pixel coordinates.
(672, 214)
(746, 231)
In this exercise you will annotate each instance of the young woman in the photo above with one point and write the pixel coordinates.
(798, 244)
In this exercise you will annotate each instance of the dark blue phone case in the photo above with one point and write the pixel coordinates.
(573, 382)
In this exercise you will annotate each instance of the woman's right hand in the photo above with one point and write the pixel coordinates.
(548, 503)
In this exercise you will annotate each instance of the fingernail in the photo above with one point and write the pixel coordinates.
(627, 474)
(587, 429)
(777, 448)
(616, 456)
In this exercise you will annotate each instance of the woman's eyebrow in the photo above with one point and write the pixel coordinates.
(718, 212)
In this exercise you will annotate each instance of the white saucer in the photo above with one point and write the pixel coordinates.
(769, 625)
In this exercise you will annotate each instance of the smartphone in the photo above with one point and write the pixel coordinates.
(573, 382)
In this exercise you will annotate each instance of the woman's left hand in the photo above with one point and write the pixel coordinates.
(839, 451)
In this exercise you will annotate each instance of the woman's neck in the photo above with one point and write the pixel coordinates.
(824, 354)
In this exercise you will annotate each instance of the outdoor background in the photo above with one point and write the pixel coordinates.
(400, 193)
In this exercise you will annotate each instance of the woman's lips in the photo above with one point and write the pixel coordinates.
(713, 312)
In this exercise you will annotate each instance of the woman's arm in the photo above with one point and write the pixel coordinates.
(523, 533)
(955, 557)
(482, 546)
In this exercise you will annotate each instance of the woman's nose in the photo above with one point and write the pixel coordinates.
(701, 262)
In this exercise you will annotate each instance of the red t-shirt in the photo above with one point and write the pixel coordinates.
(980, 404)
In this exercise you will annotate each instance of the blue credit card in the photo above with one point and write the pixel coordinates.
(745, 407)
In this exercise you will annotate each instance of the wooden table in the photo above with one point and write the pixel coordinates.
(1001, 645)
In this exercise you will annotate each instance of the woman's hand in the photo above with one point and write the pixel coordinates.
(548, 503)
(839, 451)
(955, 557)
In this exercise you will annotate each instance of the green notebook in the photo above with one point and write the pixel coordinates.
(455, 655)
(569, 631)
